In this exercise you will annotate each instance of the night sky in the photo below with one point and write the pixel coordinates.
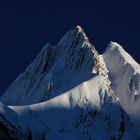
(26, 27)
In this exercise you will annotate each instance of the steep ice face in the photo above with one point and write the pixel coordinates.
(53, 70)
(124, 73)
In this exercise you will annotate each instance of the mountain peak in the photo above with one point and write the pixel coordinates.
(72, 79)
(114, 45)
(116, 51)
(73, 56)
(86, 42)
(77, 35)
(81, 30)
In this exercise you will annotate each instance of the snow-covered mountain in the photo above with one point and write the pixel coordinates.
(70, 91)
(124, 73)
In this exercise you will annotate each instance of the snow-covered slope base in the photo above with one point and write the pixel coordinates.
(70, 92)
(86, 112)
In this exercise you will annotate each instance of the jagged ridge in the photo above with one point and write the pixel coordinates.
(40, 81)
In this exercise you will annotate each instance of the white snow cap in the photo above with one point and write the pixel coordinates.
(81, 30)
(117, 50)
(113, 45)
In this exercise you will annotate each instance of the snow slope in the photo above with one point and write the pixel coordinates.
(53, 70)
(71, 92)
(85, 112)
(124, 73)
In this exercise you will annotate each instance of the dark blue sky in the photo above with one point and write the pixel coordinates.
(26, 27)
